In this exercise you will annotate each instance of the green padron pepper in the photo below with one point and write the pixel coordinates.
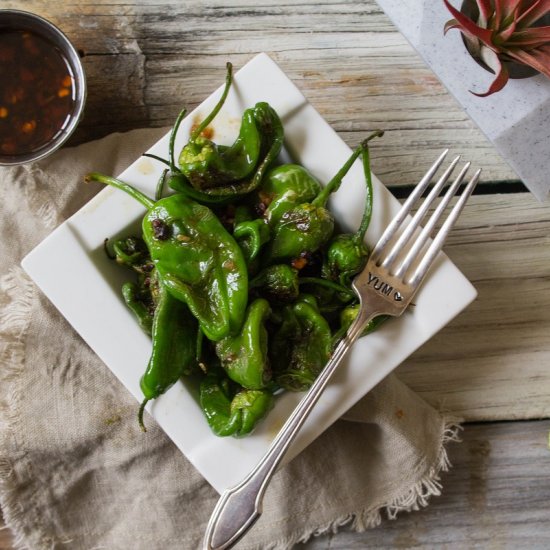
(223, 171)
(284, 187)
(301, 346)
(347, 253)
(231, 412)
(138, 300)
(244, 356)
(277, 282)
(174, 335)
(141, 297)
(348, 315)
(197, 260)
(213, 174)
(305, 227)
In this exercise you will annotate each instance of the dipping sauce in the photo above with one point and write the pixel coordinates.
(37, 92)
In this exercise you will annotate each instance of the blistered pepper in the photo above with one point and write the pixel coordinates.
(197, 260)
(139, 303)
(277, 282)
(348, 315)
(347, 253)
(213, 174)
(244, 356)
(283, 187)
(301, 346)
(208, 165)
(221, 171)
(230, 413)
(141, 297)
(174, 336)
(304, 228)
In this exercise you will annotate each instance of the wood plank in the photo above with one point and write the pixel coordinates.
(496, 495)
(492, 361)
(145, 61)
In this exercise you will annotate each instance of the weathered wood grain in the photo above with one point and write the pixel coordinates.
(496, 496)
(492, 362)
(145, 60)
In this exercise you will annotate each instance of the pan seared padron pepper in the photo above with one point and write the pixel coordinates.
(244, 357)
(347, 253)
(348, 315)
(277, 282)
(141, 297)
(174, 335)
(211, 173)
(302, 345)
(222, 171)
(197, 260)
(229, 412)
(284, 187)
(306, 227)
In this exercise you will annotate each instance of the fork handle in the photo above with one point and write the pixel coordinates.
(240, 506)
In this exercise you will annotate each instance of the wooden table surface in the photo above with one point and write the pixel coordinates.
(491, 365)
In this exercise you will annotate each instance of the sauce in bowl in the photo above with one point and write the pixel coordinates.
(42, 87)
(36, 92)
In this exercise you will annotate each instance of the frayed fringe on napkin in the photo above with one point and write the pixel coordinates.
(415, 498)
(14, 321)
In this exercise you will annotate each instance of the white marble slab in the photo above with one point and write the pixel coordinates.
(516, 119)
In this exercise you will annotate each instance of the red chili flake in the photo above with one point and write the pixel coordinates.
(298, 263)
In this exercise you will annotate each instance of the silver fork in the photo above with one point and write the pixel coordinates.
(397, 265)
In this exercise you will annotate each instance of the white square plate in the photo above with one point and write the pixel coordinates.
(72, 258)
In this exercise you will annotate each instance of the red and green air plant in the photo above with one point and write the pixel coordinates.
(504, 32)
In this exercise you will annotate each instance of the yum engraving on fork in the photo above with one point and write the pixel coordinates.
(384, 288)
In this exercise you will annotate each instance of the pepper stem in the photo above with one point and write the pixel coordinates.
(160, 185)
(156, 157)
(228, 79)
(333, 185)
(175, 129)
(367, 213)
(140, 414)
(113, 182)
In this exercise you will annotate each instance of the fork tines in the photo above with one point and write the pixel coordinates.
(405, 237)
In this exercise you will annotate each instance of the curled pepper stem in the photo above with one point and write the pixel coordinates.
(333, 185)
(228, 79)
(113, 182)
(160, 185)
(140, 414)
(156, 157)
(328, 284)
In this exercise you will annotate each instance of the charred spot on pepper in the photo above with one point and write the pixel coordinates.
(161, 230)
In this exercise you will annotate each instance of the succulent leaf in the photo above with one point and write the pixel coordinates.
(503, 32)
(493, 60)
(485, 12)
(468, 26)
(534, 37)
(538, 58)
(533, 12)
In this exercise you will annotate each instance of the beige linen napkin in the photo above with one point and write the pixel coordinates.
(77, 473)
